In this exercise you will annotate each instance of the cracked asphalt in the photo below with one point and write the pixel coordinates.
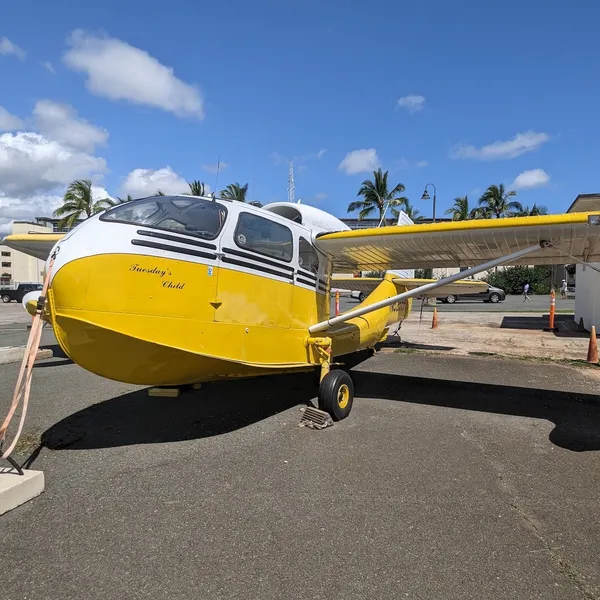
(453, 477)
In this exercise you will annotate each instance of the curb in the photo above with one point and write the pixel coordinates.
(15, 354)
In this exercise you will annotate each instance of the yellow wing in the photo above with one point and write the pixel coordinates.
(368, 284)
(465, 243)
(38, 245)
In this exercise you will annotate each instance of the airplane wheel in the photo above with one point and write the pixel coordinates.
(336, 394)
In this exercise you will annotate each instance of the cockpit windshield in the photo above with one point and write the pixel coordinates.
(192, 216)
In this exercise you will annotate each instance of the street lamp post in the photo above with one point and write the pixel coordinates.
(426, 196)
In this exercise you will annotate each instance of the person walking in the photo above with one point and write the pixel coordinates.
(563, 289)
(526, 292)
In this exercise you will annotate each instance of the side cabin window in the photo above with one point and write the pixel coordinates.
(264, 236)
(192, 216)
(308, 258)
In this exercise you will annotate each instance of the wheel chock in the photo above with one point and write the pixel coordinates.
(164, 392)
(314, 418)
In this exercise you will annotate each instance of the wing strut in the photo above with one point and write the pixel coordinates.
(425, 288)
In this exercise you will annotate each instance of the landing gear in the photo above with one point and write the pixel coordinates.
(336, 394)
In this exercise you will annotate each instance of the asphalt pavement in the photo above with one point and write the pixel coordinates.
(453, 477)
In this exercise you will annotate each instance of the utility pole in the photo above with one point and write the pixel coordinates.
(291, 186)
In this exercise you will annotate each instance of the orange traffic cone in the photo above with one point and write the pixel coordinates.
(593, 348)
(434, 321)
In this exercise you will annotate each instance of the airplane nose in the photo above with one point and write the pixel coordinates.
(30, 300)
(133, 318)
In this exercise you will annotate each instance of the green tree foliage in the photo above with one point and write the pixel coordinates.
(376, 196)
(513, 279)
(534, 211)
(196, 188)
(461, 210)
(411, 212)
(496, 202)
(424, 273)
(235, 191)
(78, 203)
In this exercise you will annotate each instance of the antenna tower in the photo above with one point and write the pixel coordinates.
(291, 186)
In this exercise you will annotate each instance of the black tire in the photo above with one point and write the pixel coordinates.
(361, 297)
(336, 394)
(494, 298)
(451, 299)
(6, 298)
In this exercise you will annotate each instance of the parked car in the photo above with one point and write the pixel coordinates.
(492, 294)
(17, 293)
(360, 296)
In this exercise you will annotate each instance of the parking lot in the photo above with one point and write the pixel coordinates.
(455, 476)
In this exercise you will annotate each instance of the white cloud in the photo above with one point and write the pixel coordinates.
(531, 179)
(19, 209)
(31, 163)
(412, 103)
(499, 150)
(216, 167)
(36, 166)
(146, 182)
(7, 47)
(422, 164)
(360, 161)
(9, 122)
(119, 71)
(60, 122)
(48, 66)
(320, 196)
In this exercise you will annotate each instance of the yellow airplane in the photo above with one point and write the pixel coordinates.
(178, 290)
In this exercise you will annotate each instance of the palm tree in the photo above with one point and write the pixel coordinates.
(78, 203)
(496, 200)
(411, 212)
(481, 212)
(235, 192)
(376, 196)
(460, 211)
(534, 211)
(196, 188)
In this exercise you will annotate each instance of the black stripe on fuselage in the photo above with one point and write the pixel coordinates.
(306, 282)
(174, 249)
(306, 274)
(259, 268)
(258, 258)
(176, 238)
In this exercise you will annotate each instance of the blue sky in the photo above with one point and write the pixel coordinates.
(140, 94)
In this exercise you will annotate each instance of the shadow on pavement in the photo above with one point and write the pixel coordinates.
(565, 323)
(576, 416)
(57, 353)
(223, 407)
(218, 408)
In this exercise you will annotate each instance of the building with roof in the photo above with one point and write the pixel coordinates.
(17, 267)
(587, 296)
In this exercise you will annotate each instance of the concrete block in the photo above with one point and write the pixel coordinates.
(15, 354)
(160, 392)
(17, 489)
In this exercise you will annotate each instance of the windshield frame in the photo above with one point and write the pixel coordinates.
(158, 199)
